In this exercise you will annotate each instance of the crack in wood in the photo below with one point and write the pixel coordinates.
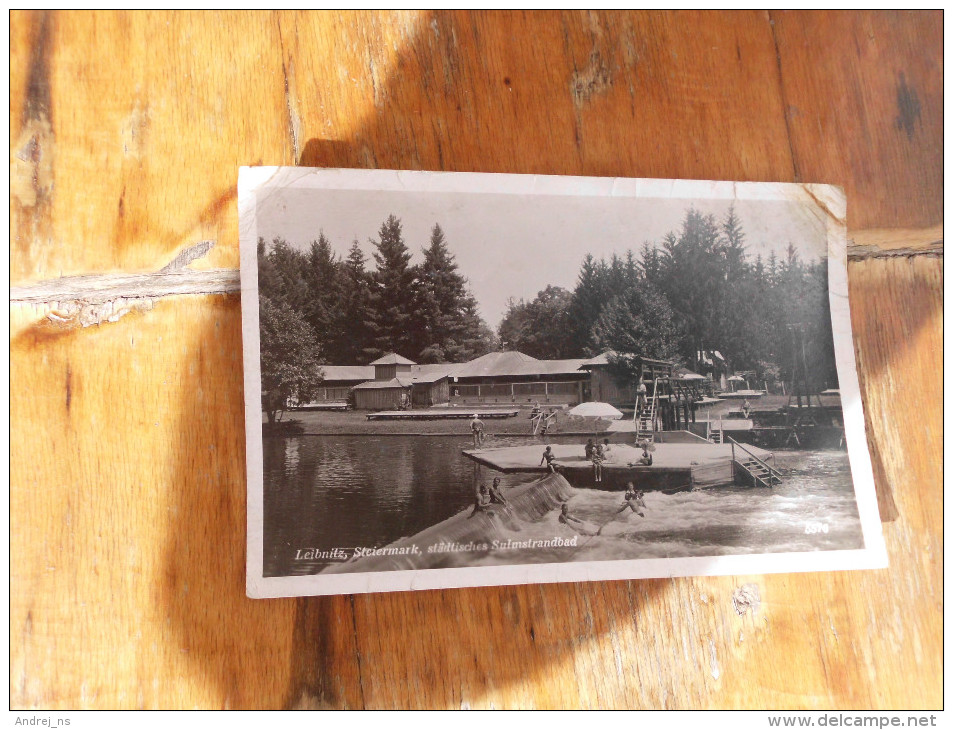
(98, 298)
(861, 252)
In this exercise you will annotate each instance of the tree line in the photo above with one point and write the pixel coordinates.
(340, 312)
(697, 291)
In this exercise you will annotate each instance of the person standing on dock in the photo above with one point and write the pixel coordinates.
(746, 408)
(548, 458)
(606, 448)
(476, 426)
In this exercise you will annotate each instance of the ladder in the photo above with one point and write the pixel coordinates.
(646, 416)
(716, 435)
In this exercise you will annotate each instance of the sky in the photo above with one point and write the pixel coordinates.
(516, 245)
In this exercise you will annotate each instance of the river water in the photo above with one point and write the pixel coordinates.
(325, 492)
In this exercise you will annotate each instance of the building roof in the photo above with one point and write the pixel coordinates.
(493, 363)
(384, 384)
(431, 373)
(602, 359)
(515, 364)
(393, 359)
(354, 373)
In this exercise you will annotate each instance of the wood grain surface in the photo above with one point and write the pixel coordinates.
(127, 456)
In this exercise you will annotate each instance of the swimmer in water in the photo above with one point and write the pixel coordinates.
(482, 501)
(567, 519)
(496, 496)
(634, 499)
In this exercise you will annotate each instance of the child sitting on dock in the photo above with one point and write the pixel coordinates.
(597, 458)
(548, 458)
(590, 448)
(646, 459)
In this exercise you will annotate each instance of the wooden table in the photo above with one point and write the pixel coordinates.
(128, 481)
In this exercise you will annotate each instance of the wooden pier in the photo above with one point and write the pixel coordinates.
(675, 466)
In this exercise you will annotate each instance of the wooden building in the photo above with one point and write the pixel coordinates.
(338, 382)
(516, 378)
(402, 383)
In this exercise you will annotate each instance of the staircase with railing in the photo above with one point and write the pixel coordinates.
(758, 470)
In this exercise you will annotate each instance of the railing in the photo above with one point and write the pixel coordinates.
(771, 470)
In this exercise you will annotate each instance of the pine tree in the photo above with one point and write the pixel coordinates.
(450, 325)
(323, 309)
(284, 275)
(393, 314)
(588, 298)
(356, 346)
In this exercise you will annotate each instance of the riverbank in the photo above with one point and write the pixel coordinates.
(355, 423)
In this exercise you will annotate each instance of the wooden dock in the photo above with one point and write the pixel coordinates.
(674, 466)
(438, 414)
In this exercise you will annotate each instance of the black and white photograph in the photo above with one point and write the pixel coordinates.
(458, 379)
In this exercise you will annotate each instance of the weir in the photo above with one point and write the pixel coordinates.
(525, 503)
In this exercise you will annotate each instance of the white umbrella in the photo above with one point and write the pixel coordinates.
(596, 409)
(736, 379)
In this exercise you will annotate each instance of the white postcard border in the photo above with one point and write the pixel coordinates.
(827, 201)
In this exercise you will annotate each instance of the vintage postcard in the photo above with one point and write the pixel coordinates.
(471, 379)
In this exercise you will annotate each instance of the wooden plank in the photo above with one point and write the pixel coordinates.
(128, 493)
(127, 477)
(874, 83)
(128, 132)
(537, 92)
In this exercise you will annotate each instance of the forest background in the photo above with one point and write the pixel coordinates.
(696, 290)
